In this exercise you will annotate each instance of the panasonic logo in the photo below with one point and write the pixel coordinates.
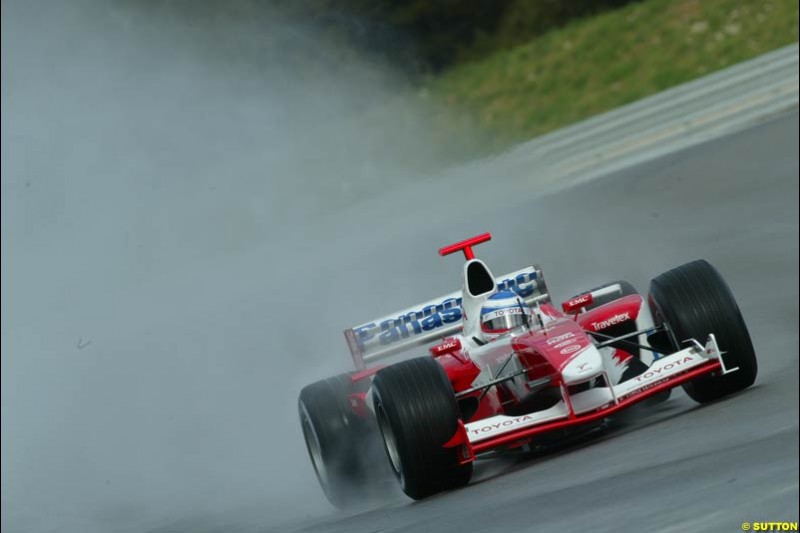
(613, 321)
(434, 316)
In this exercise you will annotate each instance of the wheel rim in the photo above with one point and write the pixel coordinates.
(389, 441)
(314, 448)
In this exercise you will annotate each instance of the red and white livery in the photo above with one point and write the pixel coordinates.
(564, 369)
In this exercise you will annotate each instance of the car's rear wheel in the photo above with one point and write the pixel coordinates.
(336, 439)
(694, 300)
(417, 414)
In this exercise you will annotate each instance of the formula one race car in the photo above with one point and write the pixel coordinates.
(507, 368)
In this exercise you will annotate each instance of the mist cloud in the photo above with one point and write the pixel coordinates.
(170, 272)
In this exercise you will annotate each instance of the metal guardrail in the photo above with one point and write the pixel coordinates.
(706, 108)
(699, 110)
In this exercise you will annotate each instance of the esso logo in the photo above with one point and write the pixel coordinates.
(570, 349)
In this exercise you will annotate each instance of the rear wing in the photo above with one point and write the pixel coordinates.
(432, 320)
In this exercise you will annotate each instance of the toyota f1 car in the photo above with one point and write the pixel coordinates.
(507, 368)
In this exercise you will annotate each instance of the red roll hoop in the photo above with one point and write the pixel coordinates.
(466, 246)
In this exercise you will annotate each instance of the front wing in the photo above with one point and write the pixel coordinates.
(591, 405)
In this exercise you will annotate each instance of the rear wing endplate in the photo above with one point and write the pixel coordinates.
(432, 320)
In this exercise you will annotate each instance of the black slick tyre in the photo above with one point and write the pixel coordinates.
(694, 300)
(417, 414)
(335, 439)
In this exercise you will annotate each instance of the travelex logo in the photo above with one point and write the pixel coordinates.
(434, 316)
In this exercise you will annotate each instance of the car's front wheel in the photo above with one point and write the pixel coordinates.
(417, 414)
(694, 300)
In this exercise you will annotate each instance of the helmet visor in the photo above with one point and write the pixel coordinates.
(502, 320)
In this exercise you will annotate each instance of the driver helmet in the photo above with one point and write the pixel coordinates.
(502, 312)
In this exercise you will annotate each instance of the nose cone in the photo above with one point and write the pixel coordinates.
(586, 365)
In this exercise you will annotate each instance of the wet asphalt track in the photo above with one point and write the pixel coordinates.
(680, 467)
(677, 467)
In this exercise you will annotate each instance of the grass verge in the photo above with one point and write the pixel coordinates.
(597, 64)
